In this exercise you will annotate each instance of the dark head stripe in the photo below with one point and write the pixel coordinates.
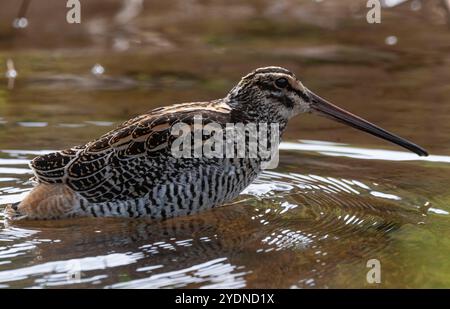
(272, 70)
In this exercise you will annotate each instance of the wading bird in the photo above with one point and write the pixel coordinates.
(131, 171)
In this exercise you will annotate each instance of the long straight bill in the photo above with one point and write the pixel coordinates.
(325, 108)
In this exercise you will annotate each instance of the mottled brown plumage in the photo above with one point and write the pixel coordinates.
(132, 172)
(85, 168)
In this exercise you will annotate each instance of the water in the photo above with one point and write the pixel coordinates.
(338, 198)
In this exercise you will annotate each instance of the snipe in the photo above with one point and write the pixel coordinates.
(131, 171)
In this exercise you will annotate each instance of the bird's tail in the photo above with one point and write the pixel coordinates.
(45, 201)
(12, 212)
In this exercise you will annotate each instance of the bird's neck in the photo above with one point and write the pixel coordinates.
(251, 110)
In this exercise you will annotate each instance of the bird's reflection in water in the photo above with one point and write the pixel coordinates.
(289, 230)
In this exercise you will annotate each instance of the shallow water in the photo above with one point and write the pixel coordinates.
(338, 199)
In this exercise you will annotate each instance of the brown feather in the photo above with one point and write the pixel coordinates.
(45, 201)
(85, 168)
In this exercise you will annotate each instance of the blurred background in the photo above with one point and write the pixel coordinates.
(339, 196)
(128, 56)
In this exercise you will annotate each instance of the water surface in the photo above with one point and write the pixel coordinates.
(338, 198)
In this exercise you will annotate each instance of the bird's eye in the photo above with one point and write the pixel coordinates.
(281, 82)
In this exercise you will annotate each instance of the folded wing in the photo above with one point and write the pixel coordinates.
(125, 162)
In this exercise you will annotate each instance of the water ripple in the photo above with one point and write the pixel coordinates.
(313, 220)
(217, 272)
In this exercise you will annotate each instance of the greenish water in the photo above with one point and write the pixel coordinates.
(338, 198)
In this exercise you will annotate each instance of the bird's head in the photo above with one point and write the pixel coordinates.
(271, 93)
(274, 94)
